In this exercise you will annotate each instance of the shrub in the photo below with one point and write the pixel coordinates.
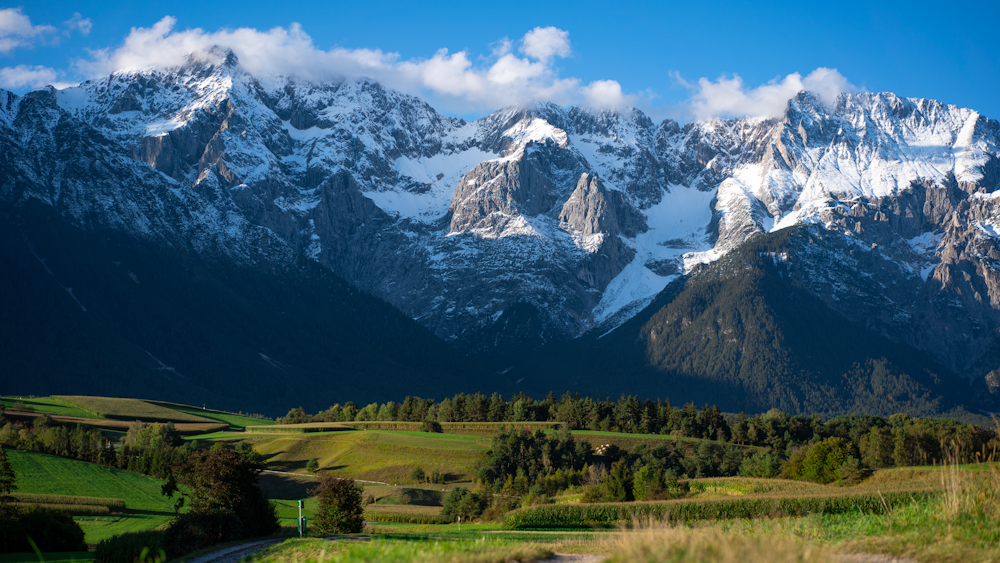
(432, 426)
(824, 459)
(128, 547)
(50, 530)
(341, 506)
(417, 475)
(462, 502)
(312, 466)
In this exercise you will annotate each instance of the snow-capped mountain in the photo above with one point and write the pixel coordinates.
(533, 223)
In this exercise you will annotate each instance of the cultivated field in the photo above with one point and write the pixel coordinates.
(130, 409)
(375, 455)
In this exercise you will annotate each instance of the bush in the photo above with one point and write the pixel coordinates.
(341, 506)
(197, 530)
(462, 502)
(128, 547)
(312, 466)
(51, 530)
(418, 475)
(432, 426)
(824, 459)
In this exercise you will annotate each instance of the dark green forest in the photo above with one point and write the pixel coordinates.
(95, 314)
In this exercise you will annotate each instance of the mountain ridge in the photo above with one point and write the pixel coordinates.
(533, 224)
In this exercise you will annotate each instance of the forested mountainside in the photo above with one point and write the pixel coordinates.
(97, 313)
(743, 334)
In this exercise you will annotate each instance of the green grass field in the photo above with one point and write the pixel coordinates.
(48, 405)
(146, 508)
(375, 455)
(236, 422)
(130, 409)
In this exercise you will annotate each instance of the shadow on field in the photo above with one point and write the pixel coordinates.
(286, 487)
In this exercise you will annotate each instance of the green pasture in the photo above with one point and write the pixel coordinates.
(146, 507)
(374, 455)
(47, 405)
(130, 409)
(235, 421)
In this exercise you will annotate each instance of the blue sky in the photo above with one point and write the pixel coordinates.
(652, 55)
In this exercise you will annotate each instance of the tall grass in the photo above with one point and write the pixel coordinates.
(610, 514)
(665, 544)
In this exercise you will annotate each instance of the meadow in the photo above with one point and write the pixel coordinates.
(145, 506)
(129, 409)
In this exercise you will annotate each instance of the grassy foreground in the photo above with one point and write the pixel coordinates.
(393, 550)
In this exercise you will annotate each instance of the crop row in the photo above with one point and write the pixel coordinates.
(588, 515)
(447, 427)
(405, 518)
(71, 509)
(111, 504)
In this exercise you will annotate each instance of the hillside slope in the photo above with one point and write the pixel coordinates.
(108, 315)
(741, 333)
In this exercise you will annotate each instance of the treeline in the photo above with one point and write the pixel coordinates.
(149, 449)
(897, 440)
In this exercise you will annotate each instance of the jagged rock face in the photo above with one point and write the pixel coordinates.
(570, 218)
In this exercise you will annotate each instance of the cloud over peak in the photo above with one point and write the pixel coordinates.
(728, 96)
(456, 80)
(516, 72)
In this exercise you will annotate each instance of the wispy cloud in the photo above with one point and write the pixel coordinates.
(16, 30)
(78, 23)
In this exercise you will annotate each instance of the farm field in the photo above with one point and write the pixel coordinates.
(47, 405)
(145, 506)
(130, 409)
(375, 455)
(236, 422)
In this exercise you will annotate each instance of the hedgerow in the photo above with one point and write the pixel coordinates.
(610, 514)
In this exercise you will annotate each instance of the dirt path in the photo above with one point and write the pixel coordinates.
(235, 553)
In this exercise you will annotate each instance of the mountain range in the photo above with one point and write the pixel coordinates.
(203, 232)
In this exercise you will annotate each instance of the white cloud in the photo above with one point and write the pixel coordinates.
(80, 23)
(607, 94)
(543, 43)
(23, 76)
(730, 97)
(452, 80)
(16, 30)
